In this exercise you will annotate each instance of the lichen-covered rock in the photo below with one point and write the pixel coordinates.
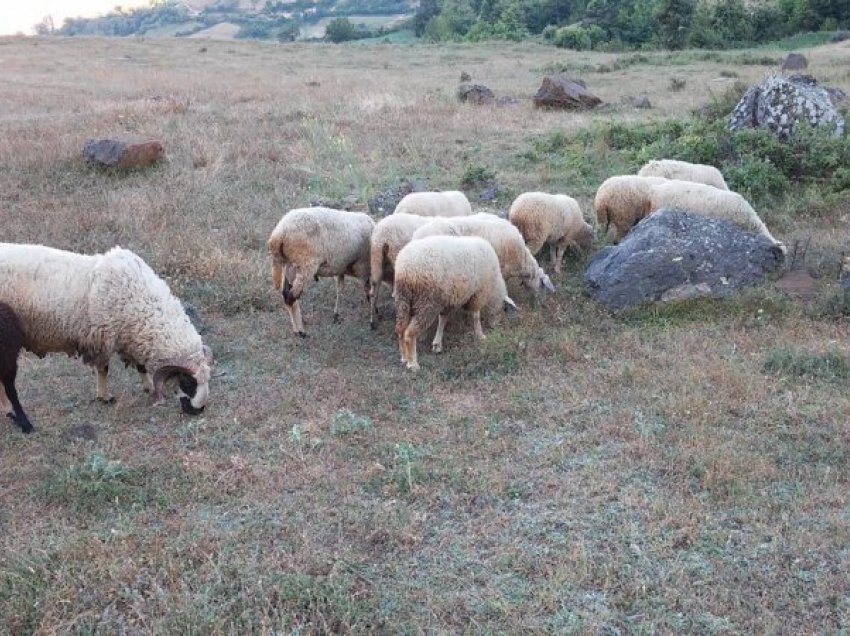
(779, 104)
(674, 255)
(565, 92)
(122, 152)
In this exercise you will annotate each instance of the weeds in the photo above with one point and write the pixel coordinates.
(830, 366)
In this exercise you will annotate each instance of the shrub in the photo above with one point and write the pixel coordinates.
(577, 37)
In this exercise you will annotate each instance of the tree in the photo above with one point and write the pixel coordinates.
(341, 30)
(427, 10)
(673, 18)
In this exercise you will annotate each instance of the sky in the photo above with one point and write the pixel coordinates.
(19, 16)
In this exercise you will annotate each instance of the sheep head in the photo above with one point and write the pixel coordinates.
(193, 375)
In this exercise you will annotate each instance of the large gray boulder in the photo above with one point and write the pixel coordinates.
(674, 255)
(476, 94)
(780, 103)
(565, 92)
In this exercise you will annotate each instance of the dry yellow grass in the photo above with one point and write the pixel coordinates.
(575, 473)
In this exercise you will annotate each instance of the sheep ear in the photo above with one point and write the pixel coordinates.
(509, 305)
(546, 281)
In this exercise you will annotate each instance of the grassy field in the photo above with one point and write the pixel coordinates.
(677, 469)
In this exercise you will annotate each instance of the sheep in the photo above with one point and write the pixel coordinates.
(555, 219)
(448, 203)
(98, 305)
(621, 202)
(390, 235)
(515, 259)
(438, 273)
(11, 343)
(684, 171)
(708, 201)
(318, 242)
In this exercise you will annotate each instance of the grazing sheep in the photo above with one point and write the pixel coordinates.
(555, 219)
(516, 261)
(11, 343)
(448, 203)
(390, 235)
(318, 242)
(436, 274)
(684, 171)
(708, 201)
(621, 202)
(104, 304)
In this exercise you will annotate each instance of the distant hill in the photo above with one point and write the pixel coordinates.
(262, 19)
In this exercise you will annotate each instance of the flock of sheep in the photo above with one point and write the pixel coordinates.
(433, 250)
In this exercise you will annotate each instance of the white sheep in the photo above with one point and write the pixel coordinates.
(516, 260)
(684, 171)
(555, 219)
(708, 201)
(98, 305)
(621, 202)
(436, 274)
(390, 235)
(448, 203)
(318, 242)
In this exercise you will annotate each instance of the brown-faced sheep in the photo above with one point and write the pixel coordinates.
(318, 242)
(104, 304)
(684, 171)
(436, 274)
(555, 219)
(11, 343)
(448, 203)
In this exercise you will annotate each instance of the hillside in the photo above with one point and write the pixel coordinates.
(260, 19)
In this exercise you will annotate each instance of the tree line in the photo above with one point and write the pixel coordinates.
(622, 24)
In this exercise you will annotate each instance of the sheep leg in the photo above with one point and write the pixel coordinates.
(340, 281)
(102, 387)
(476, 323)
(417, 325)
(558, 257)
(11, 393)
(437, 344)
(373, 305)
(292, 292)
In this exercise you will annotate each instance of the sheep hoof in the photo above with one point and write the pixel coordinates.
(413, 366)
(336, 319)
(437, 348)
(373, 325)
(109, 400)
(301, 334)
(26, 427)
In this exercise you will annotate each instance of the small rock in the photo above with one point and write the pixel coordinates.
(465, 77)
(641, 102)
(122, 152)
(794, 62)
(564, 92)
(385, 202)
(507, 102)
(475, 94)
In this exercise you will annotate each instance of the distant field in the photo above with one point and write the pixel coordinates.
(676, 469)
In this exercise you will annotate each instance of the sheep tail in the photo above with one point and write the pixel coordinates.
(377, 257)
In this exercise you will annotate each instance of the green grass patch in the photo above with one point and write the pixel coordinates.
(830, 366)
(98, 485)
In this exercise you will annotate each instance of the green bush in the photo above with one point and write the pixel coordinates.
(577, 37)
